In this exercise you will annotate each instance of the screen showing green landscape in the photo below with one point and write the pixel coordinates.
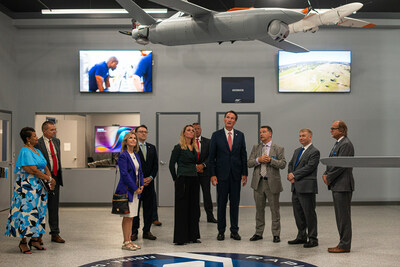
(315, 71)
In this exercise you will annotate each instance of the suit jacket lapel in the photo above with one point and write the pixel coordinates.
(44, 150)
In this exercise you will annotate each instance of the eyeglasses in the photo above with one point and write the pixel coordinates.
(334, 129)
(142, 132)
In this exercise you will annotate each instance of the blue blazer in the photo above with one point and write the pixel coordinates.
(127, 180)
(222, 161)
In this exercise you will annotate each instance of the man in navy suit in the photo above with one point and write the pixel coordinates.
(149, 160)
(228, 168)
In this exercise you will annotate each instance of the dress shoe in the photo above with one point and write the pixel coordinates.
(212, 220)
(338, 250)
(276, 239)
(196, 241)
(256, 237)
(157, 223)
(220, 236)
(235, 236)
(134, 237)
(149, 236)
(297, 241)
(57, 239)
(179, 244)
(311, 244)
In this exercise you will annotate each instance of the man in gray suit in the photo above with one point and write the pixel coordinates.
(302, 173)
(340, 180)
(49, 145)
(267, 158)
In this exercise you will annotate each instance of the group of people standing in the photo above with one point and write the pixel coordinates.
(36, 189)
(227, 166)
(195, 161)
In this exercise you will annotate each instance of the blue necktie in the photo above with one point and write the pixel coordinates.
(298, 157)
(333, 148)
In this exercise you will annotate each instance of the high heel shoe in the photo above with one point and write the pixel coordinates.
(36, 244)
(24, 248)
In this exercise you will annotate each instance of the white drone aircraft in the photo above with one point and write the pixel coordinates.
(194, 24)
(334, 16)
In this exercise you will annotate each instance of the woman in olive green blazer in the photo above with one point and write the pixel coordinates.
(187, 188)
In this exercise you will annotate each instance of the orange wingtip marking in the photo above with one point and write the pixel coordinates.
(371, 25)
(305, 11)
(239, 8)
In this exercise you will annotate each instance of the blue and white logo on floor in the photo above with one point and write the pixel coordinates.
(199, 259)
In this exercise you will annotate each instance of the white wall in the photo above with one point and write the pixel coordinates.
(81, 135)
(188, 79)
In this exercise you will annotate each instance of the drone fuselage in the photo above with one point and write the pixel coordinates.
(243, 25)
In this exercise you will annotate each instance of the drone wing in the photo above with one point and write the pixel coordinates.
(184, 6)
(285, 45)
(137, 12)
(355, 23)
(367, 162)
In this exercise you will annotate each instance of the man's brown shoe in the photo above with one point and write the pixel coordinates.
(338, 250)
(57, 239)
(157, 223)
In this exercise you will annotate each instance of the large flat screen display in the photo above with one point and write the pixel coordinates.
(108, 139)
(314, 72)
(119, 71)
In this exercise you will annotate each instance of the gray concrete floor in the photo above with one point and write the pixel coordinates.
(94, 234)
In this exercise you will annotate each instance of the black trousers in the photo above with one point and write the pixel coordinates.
(342, 204)
(187, 209)
(228, 189)
(147, 202)
(205, 187)
(52, 208)
(154, 216)
(305, 215)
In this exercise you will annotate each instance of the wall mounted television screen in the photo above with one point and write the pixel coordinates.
(108, 139)
(314, 72)
(118, 71)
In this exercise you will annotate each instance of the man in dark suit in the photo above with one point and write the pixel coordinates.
(267, 158)
(302, 173)
(49, 145)
(228, 168)
(149, 160)
(341, 181)
(202, 171)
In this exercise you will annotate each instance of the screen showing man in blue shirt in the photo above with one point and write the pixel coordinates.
(99, 78)
(144, 70)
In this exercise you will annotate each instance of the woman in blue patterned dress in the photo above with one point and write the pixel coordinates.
(29, 200)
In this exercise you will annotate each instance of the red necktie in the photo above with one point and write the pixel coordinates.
(54, 158)
(198, 146)
(230, 140)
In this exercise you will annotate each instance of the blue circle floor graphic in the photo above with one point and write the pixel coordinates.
(198, 259)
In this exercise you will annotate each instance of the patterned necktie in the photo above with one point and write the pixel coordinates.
(263, 172)
(143, 151)
(198, 146)
(54, 158)
(298, 157)
(230, 140)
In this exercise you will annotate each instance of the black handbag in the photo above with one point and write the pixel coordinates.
(120, 204)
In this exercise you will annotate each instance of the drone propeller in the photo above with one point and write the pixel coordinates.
(126, 32)
(309, 8)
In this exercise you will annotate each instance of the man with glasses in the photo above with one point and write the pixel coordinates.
(149, 160)
(341, 182)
